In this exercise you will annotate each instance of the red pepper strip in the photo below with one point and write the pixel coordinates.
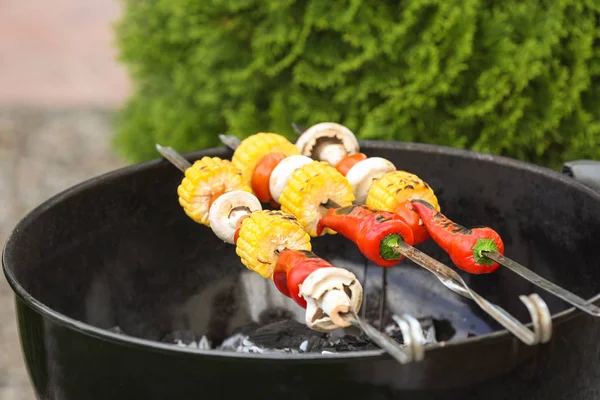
(344, 165)
(412, 219)
(464, 246)
(262, 174)
(373, 231)
(292, 268)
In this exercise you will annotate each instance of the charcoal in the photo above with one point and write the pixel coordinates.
(278, 332)
(245, 330)
(283, 334)
(352, 343)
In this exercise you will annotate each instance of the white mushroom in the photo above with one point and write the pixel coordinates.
(327, 141)
(330, 293)
(283, 171)
(228, 211)
(363, 173)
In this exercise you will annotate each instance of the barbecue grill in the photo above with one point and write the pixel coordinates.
(119, 294)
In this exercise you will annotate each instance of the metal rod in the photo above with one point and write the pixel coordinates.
(545, 284)
(365, 289)
(383, 302)
(230, 141)
(298, 129)
(411, 335)
(541, 318)
(175, 158)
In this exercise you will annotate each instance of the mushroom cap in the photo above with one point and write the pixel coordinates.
(327, 133)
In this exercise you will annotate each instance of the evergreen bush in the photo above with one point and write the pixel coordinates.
(511, 77)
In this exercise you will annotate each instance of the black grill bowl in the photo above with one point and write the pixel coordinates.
(117, 250)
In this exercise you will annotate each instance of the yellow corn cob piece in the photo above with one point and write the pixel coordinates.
(309, 188)
(252, 149)
(208, 177)
(396, 187)
(264, 234)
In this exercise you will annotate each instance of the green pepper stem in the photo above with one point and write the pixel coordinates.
(386, 248)
(484, 245)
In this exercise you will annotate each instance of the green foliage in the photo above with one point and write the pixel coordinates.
(511, 77)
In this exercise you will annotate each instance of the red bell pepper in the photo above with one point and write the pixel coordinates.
(412, 219)
(374, 232)
(463, 245)
(292, 268)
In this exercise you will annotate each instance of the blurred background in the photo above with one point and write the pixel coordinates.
(59, 86)
(87, 86)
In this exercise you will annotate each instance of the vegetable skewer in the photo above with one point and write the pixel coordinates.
(273, 244)
(488, 260)
(380, 235)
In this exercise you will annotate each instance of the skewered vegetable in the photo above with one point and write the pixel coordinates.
(464, 246)
(309, 189)
(204, 181)
(362, 175)
(264, 234)
(394, 188)
(262, 175)
(374, 232)
(228, 210)
(393, 246)
(282, 173)
(410, 216)
(327, 141)
(252, 149)
(348, 162)
(326, 292)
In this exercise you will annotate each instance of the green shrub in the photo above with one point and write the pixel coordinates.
(511, 77)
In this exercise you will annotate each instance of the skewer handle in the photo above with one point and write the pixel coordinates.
(542, 320)
(412, 334)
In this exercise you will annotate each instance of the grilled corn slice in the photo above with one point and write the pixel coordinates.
(205, 180)
(310, 188)
(396, 187)
(252, 149)
(264, 234)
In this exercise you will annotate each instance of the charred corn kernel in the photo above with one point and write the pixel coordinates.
(310, 188)
(264, 234)
(205, 180)
(255, 147)
(396, 187)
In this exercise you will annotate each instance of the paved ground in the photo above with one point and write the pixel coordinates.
(58, 84)
(59, 53)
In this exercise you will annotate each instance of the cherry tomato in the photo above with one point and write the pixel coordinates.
(348, 162)
(262, 174)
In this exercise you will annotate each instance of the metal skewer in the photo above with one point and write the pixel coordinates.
(525, 272)
(174, 157)
(298, 129)
(540, 315)
(543, 283)
(412, 333)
